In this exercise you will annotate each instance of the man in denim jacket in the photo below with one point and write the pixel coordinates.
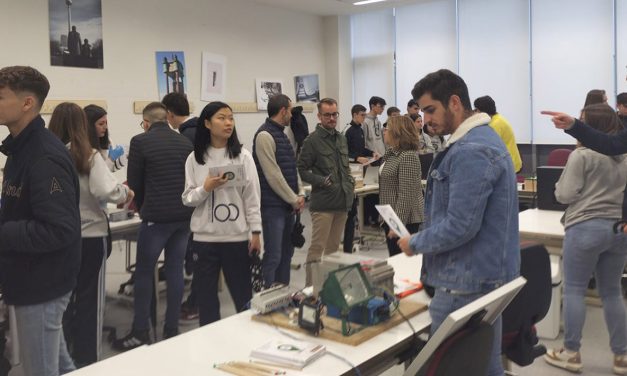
(470, 240)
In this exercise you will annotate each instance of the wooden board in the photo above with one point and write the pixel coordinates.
(333, 327)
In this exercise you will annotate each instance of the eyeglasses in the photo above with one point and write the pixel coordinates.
(329, 115)
(141, 123)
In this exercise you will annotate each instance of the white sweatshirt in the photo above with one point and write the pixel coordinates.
(100, 185)
(226, 214)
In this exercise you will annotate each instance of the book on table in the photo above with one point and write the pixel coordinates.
(289, 352)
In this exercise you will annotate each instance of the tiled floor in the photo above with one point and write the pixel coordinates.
(596, 355)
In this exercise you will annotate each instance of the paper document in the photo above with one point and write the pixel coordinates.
(234, 173)
(392, 220)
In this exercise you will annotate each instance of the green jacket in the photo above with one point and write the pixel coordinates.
(325, 153)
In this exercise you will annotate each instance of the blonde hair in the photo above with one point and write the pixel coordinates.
(403, 130)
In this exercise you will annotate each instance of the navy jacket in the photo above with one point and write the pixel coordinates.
(286, 160)
(40, 225)
(188, 128)
(156, 172)
(603, 143)
(356, 142)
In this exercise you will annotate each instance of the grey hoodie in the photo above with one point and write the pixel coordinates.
(592, 185)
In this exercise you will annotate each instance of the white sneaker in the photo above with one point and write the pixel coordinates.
(562, 358)
(620, 364)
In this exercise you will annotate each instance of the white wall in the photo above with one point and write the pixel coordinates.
(257, 40)
(621, 43)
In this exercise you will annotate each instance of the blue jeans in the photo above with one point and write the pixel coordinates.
(151, 239)
(43, 351)
(444, 303)
(591, 246)
(277, 223)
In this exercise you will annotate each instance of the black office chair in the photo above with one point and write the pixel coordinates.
(466, 352)
(520, 342)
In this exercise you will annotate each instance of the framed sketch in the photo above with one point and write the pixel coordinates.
(307, 88)
(170, 72)
(75, 33)
(212, 77)
(266, 89)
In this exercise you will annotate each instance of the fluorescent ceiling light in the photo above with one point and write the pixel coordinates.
(364, 2)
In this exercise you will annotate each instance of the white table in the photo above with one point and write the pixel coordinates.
(232, 338)
(543, 226)
(126, 231)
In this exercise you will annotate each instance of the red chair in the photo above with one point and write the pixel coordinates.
(558, 157)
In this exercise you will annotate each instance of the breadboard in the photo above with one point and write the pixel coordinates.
(333, 327)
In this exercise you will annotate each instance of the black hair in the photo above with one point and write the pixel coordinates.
(176, 103)
(375, 101)
(393, 109)
(442, 85)
(203, 134)
(357, 109)
(621, 99)
(94, 113)
(411, 103)
(486, 104)
(276, 103)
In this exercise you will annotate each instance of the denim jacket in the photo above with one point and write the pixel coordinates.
(470, 240)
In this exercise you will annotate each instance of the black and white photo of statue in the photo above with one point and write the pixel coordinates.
(76, 33)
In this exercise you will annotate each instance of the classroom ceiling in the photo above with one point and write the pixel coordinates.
(333, 7)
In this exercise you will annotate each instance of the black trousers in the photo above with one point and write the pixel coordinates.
(232, 258)
(82, 320)
(349, 229)
(393, 248)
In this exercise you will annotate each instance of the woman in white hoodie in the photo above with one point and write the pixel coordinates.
(221, 182)
(83, 317)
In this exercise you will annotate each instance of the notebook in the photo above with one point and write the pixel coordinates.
(289, 352)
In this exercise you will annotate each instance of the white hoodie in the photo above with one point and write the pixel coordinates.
(226, 214)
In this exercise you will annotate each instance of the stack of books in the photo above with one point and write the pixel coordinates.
(289, 352)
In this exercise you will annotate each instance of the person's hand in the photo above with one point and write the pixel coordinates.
(299, 205)
(115, 152)
(561, 120)
(376, 156)
(327, 181)
(129, 196)
(213, 182)
(403, 244)
(392, 234)
(254, 245)
(362, 160)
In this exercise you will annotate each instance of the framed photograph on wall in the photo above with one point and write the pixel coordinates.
(170, 72)
(75, 33)
(212, 77)
(307, 88)
(266, 89)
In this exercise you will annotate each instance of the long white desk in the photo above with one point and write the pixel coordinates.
(232, 338)
(543, 226)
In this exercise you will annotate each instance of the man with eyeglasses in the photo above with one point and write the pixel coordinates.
(323, 163)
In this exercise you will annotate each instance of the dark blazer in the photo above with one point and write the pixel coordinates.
(156, 173)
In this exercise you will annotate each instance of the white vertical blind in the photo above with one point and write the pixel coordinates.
(494, 57)
(572, 49)
(373, 56)
(426, 41)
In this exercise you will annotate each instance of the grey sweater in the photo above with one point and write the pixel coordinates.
(592, 185)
